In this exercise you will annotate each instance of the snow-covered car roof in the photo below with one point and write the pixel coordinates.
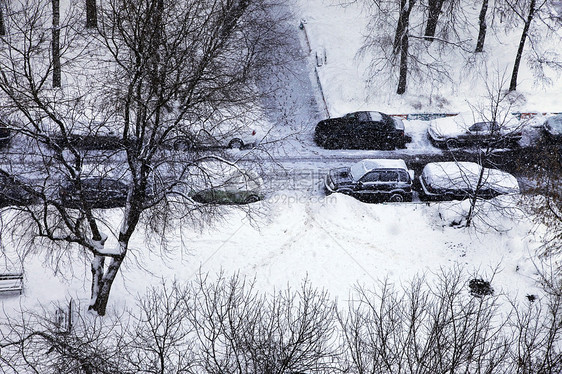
(225, 176)
(364, 166)
(465, 175)
(452, 126)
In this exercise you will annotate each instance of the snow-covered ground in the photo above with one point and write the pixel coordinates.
(335, 241)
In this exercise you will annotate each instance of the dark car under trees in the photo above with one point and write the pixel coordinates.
(13, 191)
(361, 130)
(96, 192)
(466, 130)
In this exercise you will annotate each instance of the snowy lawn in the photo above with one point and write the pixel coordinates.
(335, 242)
(336, 34)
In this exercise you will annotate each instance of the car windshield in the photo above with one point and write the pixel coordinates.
(555, 123)
(376, 116)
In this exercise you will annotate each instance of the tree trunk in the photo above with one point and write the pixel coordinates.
(99, 304)
(435, 7)
(2, 25)
(56, 44)
(513, 83)
(403, 66)
(91, 14)
(474, 198)
(401, 43)
(400, 27)
(483, 27)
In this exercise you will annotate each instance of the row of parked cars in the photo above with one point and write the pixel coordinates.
(369, 179)
(376, 130)
(221, 184)
(390, 180)
(100, 136)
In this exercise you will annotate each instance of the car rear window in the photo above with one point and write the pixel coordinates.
(403, 176)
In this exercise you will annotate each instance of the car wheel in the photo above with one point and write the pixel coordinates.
(514, 144)
(235, 144)
(333, 143)
(252, 199)
(452, 143)
(396, 198)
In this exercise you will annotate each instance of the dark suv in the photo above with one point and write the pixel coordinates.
(97, 192)
(373, 180)
(361, 130)
(13, 192)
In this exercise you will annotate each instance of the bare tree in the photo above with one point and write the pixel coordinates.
(482, 27)
(157, 71)
(503, 134)
(397, 54)
(34, 342)
(91, 14)
(423, 327)
(241, 331)
(159, 336)
(519, 7)
(434, 10)
(401, 42)
(226, 325)
(56, 44)
(2, 25)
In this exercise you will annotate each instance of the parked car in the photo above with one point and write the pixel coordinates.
(13, 192)
(5, 135)
(85, 135)
(459, 180)
(361, 130)
(230, 186)
(552, 128)
(98, 192)
(373, 180)
(221, 135)
(89, 141)
(464, 130)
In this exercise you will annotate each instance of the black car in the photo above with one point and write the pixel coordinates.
(13, 192)
(361, 130)
(463, 130)
(89, 141)
(97, 192)
(372, 180)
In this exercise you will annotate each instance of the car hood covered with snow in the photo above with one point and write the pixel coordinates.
(465, 176)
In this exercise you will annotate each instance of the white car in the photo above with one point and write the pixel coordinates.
(223, 183)
(459, 180)
(465, 130)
